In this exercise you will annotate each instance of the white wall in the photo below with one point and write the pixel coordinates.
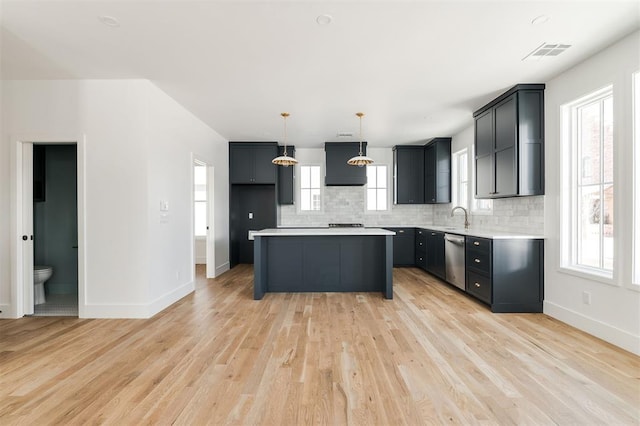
(175, 134)
(614, 313)
(138, 151)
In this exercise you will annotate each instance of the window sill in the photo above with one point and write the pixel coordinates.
(589, 275)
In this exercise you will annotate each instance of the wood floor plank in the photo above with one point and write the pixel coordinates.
(432, 355)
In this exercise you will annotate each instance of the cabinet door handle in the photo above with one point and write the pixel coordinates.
(475, 243)
(477, 285)
(476, 260)
(420, 243)
(433, 233)
(401, 231)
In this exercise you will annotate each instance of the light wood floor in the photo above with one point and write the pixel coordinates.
(429, 356)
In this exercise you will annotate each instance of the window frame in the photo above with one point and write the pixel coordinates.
(300, 188)
(456, 199)
(570, 165)
(386, 188)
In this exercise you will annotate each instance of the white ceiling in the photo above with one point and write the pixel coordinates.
(418, 69)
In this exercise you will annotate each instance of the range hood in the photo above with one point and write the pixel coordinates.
(338, 172)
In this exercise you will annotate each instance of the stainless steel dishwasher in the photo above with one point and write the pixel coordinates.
(454, 259)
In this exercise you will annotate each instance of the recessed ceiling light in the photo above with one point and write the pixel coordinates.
(324, 19)
(539, 20)
(109, 21)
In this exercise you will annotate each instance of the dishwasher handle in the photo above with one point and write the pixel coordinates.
(455, 239)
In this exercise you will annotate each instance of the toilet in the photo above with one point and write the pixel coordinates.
(40, 275)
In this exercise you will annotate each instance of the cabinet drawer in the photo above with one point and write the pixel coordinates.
(480, 244)
(479, 286)
(479, 261)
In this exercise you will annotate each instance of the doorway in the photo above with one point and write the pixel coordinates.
(50, 216)
(203, 217)
(55, 229)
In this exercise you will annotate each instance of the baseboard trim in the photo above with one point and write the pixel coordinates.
(222, 269)
(138, 310)
(599, 329)
(170, 298)
(6, 312)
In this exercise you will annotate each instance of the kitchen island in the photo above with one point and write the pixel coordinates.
(323, 260)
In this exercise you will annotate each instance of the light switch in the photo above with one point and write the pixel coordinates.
(250, 215)
(164, 206)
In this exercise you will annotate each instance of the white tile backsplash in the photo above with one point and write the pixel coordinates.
(519, 215)
(346, 204)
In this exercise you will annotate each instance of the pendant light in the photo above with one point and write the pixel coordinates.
(360, 160)
(284, 160)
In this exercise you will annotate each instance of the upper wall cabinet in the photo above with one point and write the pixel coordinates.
(408, 172)
(509, 144)
(286, 177)
(338, 172)
(437, 171)
(250, 162)
(422, 173)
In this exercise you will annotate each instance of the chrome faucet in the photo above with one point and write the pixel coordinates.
(466, 215)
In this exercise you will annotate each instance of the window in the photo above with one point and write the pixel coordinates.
(200, 200)
(309, 188)
(479, 206)
(636, 180)
(460, 169)
(589, 197)
(377, 188)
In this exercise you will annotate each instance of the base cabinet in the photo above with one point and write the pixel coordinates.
(507, 274)
(403, 247)
(435, 253)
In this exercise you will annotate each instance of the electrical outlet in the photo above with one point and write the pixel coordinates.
(586, 297)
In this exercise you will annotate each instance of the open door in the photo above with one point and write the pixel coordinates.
(27, 228)
(211, 236)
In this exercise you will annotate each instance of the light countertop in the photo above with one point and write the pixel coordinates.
(481, 233)
(303, 232)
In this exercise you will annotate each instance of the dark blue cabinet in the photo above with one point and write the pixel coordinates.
(509, 144)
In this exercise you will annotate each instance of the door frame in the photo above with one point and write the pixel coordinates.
(21, 282)
(210, 238)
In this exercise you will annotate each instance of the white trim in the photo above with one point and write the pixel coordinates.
(16, 309)
(634, 283)
(569, 164)
(298, 181)
(604, 331)
(222, 269)
(139, 310)
(386, 188)
(594, 275)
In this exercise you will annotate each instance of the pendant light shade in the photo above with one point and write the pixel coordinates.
(360, 160)
(284, 160)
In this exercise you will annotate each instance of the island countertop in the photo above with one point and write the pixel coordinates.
(320, 232)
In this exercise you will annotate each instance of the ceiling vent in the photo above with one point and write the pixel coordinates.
(344, 134)
(546, 50)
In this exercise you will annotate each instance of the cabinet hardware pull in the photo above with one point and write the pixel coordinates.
(475, 243)
(477, 284)
(476, 260)
(420, 243)
(401, 231)
(433, 233)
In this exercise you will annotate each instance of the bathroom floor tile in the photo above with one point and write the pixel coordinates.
(58, 305)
